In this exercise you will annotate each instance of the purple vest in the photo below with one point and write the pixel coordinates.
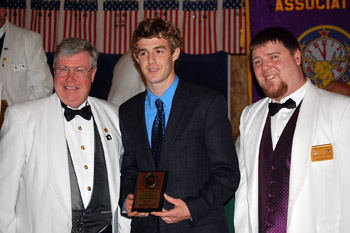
(274, 170)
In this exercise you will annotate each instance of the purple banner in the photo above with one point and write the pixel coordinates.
(322, 28)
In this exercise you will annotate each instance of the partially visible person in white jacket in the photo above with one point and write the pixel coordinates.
(24, 72)
(127, 80)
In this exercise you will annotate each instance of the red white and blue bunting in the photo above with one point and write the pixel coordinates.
(208, 26)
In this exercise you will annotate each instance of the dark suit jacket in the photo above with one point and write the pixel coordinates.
(198, 152)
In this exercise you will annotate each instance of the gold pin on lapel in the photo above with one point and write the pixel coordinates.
(3, 61)
(109, 137)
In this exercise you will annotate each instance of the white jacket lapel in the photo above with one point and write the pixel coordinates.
(303, 140)
(252, 144)
(110, 146)
(57, 153)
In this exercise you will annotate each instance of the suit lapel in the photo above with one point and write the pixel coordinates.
(303, 140)
(251, 157)
(57, 153)
(110, 151)
(179, 105)
(140, 136)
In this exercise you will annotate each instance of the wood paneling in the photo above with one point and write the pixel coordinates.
(239, 98)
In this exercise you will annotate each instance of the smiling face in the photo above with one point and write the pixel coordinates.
(277, 71)
(71, 90)
(157, 63)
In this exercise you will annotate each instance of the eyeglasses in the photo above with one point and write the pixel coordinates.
(79, 72)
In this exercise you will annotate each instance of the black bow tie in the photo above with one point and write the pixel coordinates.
(275, 107)
(69, 113)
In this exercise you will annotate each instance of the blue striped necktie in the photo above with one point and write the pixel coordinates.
(158, 131)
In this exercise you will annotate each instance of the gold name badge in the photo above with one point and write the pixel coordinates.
(322, 153)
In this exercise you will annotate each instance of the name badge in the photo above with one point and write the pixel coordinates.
(322, 153)
(19, 66)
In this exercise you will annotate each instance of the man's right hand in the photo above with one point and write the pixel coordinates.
(128, 206)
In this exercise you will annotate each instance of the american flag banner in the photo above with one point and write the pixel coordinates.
(44, 20)
(80, 19)
(167, 10)
(16, 10)
(234, 24)
(120, 20)
(199, 26)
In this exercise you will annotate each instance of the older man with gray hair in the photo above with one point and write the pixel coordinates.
(59, 163)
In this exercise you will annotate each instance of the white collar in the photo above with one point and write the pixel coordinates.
(297, 96)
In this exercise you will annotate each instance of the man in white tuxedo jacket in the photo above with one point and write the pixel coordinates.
(59, 172)
(24, 72)
(294, 162)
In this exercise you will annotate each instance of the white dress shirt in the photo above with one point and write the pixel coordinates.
(280, 120)
(80, 138)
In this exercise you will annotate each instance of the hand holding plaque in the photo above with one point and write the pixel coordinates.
(149, 191)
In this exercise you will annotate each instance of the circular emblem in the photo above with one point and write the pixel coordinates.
(325, 52)
(150, 181)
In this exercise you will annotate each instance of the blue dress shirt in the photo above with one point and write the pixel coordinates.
(151, 109)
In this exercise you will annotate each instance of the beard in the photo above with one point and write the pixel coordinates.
(272, 92)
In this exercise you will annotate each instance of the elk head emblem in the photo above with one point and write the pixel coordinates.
(322, 71)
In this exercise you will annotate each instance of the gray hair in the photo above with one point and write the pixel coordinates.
(71, 46)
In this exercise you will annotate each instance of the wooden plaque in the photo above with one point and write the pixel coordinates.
(149, 191)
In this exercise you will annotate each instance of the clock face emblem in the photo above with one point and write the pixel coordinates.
(325, 52)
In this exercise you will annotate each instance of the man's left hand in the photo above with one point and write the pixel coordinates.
(179, 213)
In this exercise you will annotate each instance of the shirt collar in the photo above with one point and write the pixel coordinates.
(167, 96)
(85, 103)
(297, 96)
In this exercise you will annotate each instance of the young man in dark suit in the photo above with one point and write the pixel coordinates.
(195, 146)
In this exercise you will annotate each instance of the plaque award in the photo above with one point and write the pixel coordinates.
(149, 191)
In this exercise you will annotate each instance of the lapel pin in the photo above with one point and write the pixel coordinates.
(109, 137)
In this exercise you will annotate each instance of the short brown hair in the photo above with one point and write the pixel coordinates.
(275, 34)
(150, 28)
